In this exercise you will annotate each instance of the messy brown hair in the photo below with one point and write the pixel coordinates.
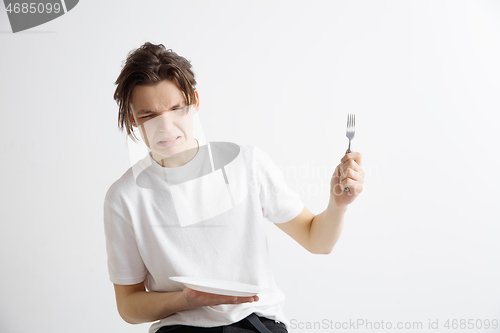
(148, 65)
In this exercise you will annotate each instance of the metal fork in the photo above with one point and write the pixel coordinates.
(350, 131)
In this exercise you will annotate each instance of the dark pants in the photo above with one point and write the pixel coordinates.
(242, 326)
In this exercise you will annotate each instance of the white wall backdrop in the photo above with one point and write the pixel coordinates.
(420, 244)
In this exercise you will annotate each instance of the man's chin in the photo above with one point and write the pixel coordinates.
(172, 153)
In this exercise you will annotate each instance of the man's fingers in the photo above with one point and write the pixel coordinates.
(247, 299)
(224, 299)
(356, 156)
(350, 164)
(353, 175)
(351, 170)
(336, 172)
(204, 298)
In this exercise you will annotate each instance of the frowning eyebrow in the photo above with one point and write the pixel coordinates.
(144, 111)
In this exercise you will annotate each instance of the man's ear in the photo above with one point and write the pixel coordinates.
(132, 119)
(197, 107)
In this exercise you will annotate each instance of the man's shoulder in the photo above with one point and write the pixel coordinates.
(124, 184)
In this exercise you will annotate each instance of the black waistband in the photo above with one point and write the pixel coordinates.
(253, 319)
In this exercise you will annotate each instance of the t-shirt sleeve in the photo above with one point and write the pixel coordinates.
(279, 203)
(125, 265)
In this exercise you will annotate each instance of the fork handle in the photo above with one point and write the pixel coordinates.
(347, 189)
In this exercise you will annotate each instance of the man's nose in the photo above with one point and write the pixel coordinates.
(165, 121)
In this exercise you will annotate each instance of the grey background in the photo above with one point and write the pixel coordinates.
(422, 77)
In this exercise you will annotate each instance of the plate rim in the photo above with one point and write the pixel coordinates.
(258, 290)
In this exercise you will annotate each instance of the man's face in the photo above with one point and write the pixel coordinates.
(164, 119)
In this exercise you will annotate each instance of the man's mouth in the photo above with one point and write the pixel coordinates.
(167, 140)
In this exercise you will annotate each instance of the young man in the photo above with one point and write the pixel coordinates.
(196, 209)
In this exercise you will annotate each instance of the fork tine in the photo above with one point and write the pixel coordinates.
(349, 122)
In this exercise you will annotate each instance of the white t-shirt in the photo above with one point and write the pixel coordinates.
(203, 219)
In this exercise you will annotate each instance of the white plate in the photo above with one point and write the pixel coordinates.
(221, 287)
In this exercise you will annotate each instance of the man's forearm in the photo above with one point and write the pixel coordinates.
(147, 306)
(326, 229)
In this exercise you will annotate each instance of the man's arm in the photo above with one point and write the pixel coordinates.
(326, 228)
(316, 233)
(319, 233)
(137, 306)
